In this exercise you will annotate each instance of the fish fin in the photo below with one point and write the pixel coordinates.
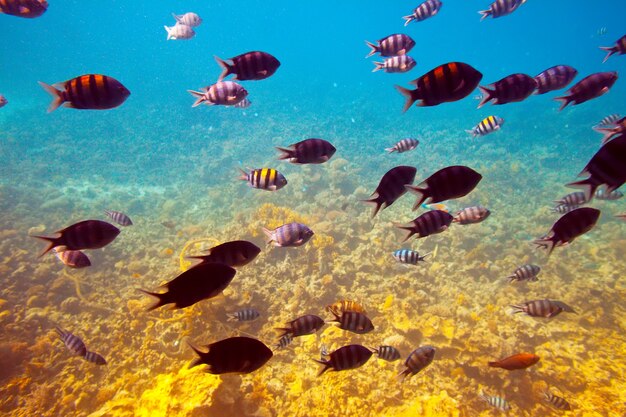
(495, 364)
(471, 132)
(610, 49)
(286, 153)
(198, 360)
(57, 96)
(410, 95)
(607, 133)
(484, 14)
(199, 95)
(421, 193)
(231, 316)
(377, 204)
(423, 257)
(169, 32)
(162, 299)
(177, 17)
(487, 95)
(408, 229)
(391, 150)
(375, 49)
(378, 66)
(408, 19)
(226, 68)
(326, 364)
(269, 235)
(243, 176)
(565, 99)
(546, 243)
(53, 241)
(587, 186)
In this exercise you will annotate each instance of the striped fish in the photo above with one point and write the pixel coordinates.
(563, 208)
(501, 8)
(179, 32)
(224, 93)
(619, 48)
(497, 402)
(189, 19)
(388, 353)
(341, 306)
(427, 9)
(608, 121)
(450, 182)
(307, 324)
(542, 308)
(308, 151)
(471, 215)
(486, 126)
(284, 341)
(243, 104)
(429, 223)
(526, 272)
(246, 314)
(510, 89)
(392, 45)
(407, 256)
(267, 179)
(395, 64)
(611, 131)
(588, 88)
(88, 234)
(554, 78)
(255, 65)
(73, 343)
(89, 91)
(235, 253)
(95, 358)
(119, 217)
(23, 8)
(419, 359)
(568, 227)
(288, 235)
(576, 198)
(601, 194)
(355, 322)
(346, 357)
(391, 187)
(72, 258)
(555, 401)
(404, 145)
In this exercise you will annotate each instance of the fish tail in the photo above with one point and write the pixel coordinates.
(60, 331)
(374, 49)
(269, 235)
(162, 299)
(408, 229)
(377, 204)
(198, 360)
(326, 367)
(471, 132)
(610, 49)
(286, 153)
(53, 241)
(378, 66)
(565, 101)
(588, 187)
(200, 97)
(169, 32)
(176, 17)
(494, 364)
(545, 243)
(484, 14)
(243, 176)
(606, 131)
(423, 257)
(410, 95)
(487, 95)
(57, 96)
(226, 69)
(408, 19)
(391, 150)
(420, 192)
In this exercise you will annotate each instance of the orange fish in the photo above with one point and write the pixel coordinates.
(517, 361)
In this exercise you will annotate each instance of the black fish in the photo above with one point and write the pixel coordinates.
(451, 182)
(619, 48)
(73, 343)
(448, 82)
(419, 359)
(346, 357)
(571, 225)
(95, 358)
(255, 65)
(429, 223)
(303, 325)
(24, 8)
(203, 281)
(355, 322)
(87, 92)
(388, 353)
(391, 187)
(392, 45)
(510, 89)
(239, 355)
(88, 234)
(607, 167)
(235, 253)
(119, 217)
(308, 151)
(590, 87)
(554, 78)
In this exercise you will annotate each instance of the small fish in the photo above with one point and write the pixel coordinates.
(3, 101)
(611, 131)
(608, 121)
(179, 32)
(355, 322)
(621, 216)
(577, 198)
(619, 48)
(88, 234)
(487, 125)
(563, 208)
(72, 258)
(288, 235)
(436, 206)
(571, 225)
(238, 355)
(255, 65)
(189, 19)
(346, 357)
(419, 359)
(341, 306)
(388, 353)
(451, 182)
(267, 179)
(87, 92)
(542, 308)
(601, 31)
(404, 145)
(501, 8)
(73, 343)
(236, 253)
(406, 256)
(243, 104)
(428, 8)
(517, 361)
(400, 63)
(471, 215)
(510, 89)
(392, 45)
(429, 223)
(24, 8)
(497, 402)
(223, 93)
(391, 187)
(601, 194)
(246, 314)
(526, 272)
(555, 401)
(303, 325)
(555, 78)
(95, 358)
(119, 217)
(588, 88)
(308, 151)
(284, 341)
(323, 352)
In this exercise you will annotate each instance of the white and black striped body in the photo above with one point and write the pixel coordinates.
(400, 63)
(189, 19)
(179, 31)
(392, 45)
(119, 217)
(404, 145)
(73, 343)
(346, 357)
(307, 324)
(539, 308)
(497, 402)
(471, 215)
(388, 353)
(577, 198)
(613, 130)
(284, 341)
(487, 125)
(246, 314)
(501, 8)
(563, 208)
(95, 358)
(526, 272)
(419, 359)
(429, 223)
(225, 93)
(407, 256)
(555, 401)
(267, 179)
(289, 235)
(355, 322)
(72, 258)
(601, 194)
(608, 121)
(427, 9)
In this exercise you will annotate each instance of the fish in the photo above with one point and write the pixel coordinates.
(388, 353)
(497, 402)
(87, 92)
(73, 343)
(571, 225)
(619, 48)
(588, 88)
(255, 65)
(429, 223)
(436, 206)
(392, 45)
(517, 361)
(235, 253)
(621, 216)
(391, 187)
(451, 182)
(542, 308)
(510, 89)
(119, 217)
(406, 256)
(308, 151)
(246, 314)
(555, 78)
(88, 234)
(355, 322)
(446, 83)
(404, 145)
(243, 104)
(612, 131)
(428, 8)
(526, 272)
(284, 341)
(563, 208)
(190, 19)
(223, 93)
(72, 258)
(601, 31)
(500, 8)
(419, 359)
(95, 358)
(3, 101)
(288, 235)
(487, 125)
(179, 32)
(400, 63)
(471, 215)
(608, 121)
(601, 194)
(577, 198)
(342, 306)
(555, 401)
(346, 357)
(234, 355)
(267, 179)
(24, 8)
(323, 352)
(303, 325)
(200, 282)
(607, 168)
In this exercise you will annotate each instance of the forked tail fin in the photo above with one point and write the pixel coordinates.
(487, 95)
(484, 14)
(610, 49)
(410, 95)
(286, 153)
(375, 49)
(52, 242)
(408, 19)
(162, 299)
(419, 192)
(565, 99)
(226, 68)
(57, 96)
(200, 97)
(377, 204)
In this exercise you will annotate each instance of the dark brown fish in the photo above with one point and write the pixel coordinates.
(510, 89)
(619, 48)
(571, 225)
(429, 223)
(517, 361)
(542, 308)
(235, 355)
(448, 82)
(392, 45)
(303, 325)
(346, 357)
(224, 93)
(555, 78)
(590, 87)
(201, 282)
(119, 217)
(88, 234)
(95, 358)
(355, 322)
(236, 253)
(391, 187)
(501, 8)
(87, 92)
(419, 359)
(73, 343)
(72, 258)
(451, 182)
(255, 65)
(308, 151)
(24, 8)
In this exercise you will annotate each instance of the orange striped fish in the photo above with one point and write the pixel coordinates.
(89, 91)
(342, 306)
(24, 8)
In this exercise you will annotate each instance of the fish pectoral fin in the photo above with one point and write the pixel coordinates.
(262, 72)
(69, 105)
(460, 87)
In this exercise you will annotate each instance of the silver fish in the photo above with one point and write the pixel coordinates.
(119, 217)
(404, 145)
(179, 31)
(497, 402)
(190, 19)
(246, 314)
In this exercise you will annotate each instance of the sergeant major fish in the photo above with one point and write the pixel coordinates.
(308, 151)
(346, 357)
(288, 235)
(419, 359)
(255, 65)
(222, 93)
(87, 92)
(246, 314)
(267, 179)
(400, 63)
(88, 234)
(404, 145)
(487, 125)
(119, 217)
(428, 8)
(190, 19)
(406, 256)
(179, 32)
(501, 8)
(237, 355)
(392, 45)
(471, 215)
